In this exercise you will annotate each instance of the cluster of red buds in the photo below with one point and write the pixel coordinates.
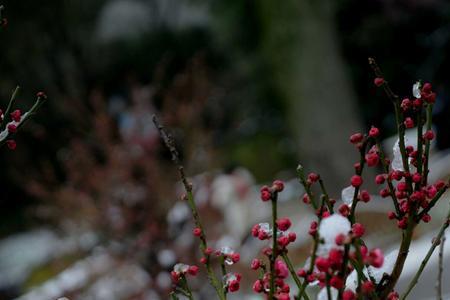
(340, 263)
(180, 270)
(281, 273)
(11, 121)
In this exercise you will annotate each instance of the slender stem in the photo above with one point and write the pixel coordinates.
(313, 258)
(311, 264)
(441, 269)
(427, 257)
(432, 203)
(325, 196)
(25, 117)
(274, 254)
(181, 291)
(389, 179)
(170, 145)
(419, 146)
(292, 271)
(222, 265)
(427, 145)
(398, 117)
(401, 141)
(328, 287)
(406, 234)
(400, 261)
(362, 161)
(10, 104)
(186, 287)
(359, 265)
(302, 179)
(174, 296)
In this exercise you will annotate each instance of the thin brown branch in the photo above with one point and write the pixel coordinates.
(170, 145)
(440, 270)
(435, 243)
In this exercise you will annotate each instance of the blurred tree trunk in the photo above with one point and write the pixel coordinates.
(303, 48)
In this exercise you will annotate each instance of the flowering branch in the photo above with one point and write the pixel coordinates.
(17, 118)
(170, 144)
(340, 261)
(435, 243)
(274, 253)
(441, 269)
(427, 144)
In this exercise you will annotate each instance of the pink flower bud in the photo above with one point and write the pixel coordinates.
(313, 177)
(358, 230)
(416, 178)
(356, 138)
(15, 115)
(197, 231)
(258, 286)
(337, 282)
(392, 215)
(356, 180)
(348, 295)
(429, 135)
(367, 287)
(409, 123)
(322, 264)
(379, 179)
(193, 270)
(235, 257)
(364, 196)
(233, 286)
(278, 185)
(284, 224)
(11, 144)
(378, 81)
(374, 132)
(426, 218)
(12, 128)
(256, 263)
(376, 258)
(406, 104)
(344, 210)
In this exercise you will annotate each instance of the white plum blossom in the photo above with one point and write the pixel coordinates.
(416, 90)
(347, 195)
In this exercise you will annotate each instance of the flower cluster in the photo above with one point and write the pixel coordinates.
(16, 119)
(262, 285)
(180, 270)
(340, 263)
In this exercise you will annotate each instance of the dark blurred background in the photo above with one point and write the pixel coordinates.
(243, 85)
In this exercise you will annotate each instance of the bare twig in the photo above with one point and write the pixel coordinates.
(441, 269)
(392, 279)
(274, 254)
(170, 145)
